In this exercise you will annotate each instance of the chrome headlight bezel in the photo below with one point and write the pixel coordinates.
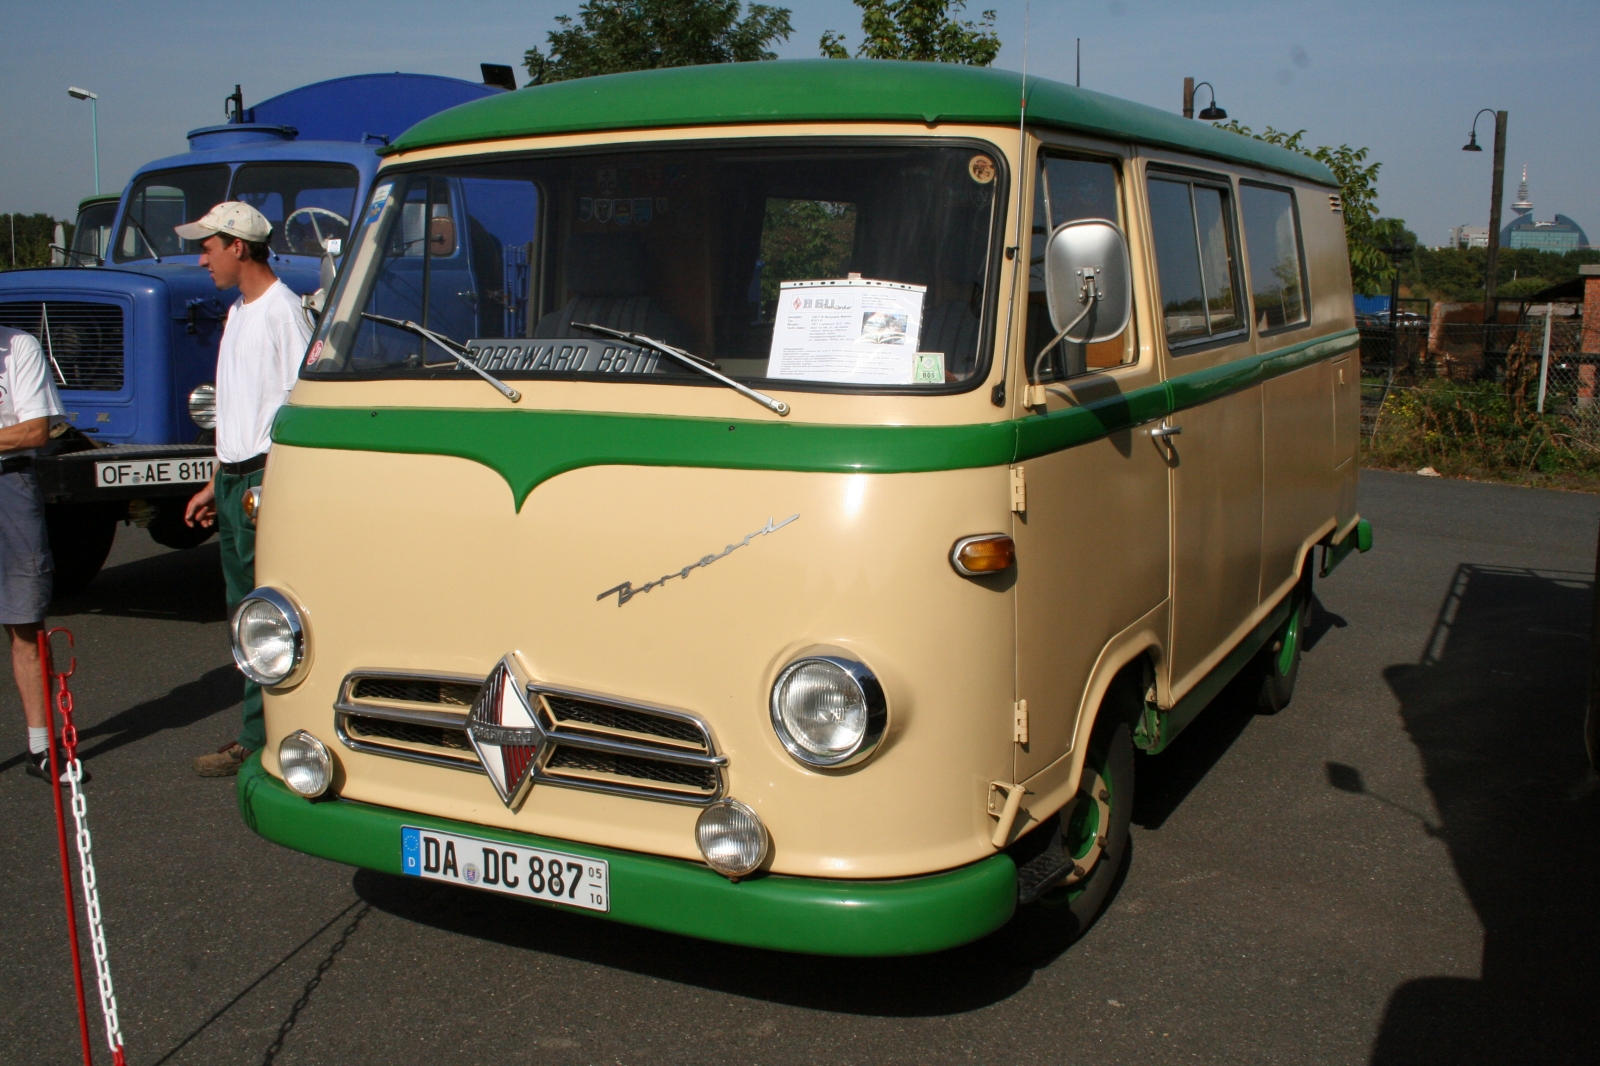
(871, 692)
(319, 754)
(297, 632)
(203, 405)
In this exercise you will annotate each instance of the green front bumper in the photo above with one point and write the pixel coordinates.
(912, 916)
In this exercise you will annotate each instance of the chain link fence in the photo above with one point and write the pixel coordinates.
(1513, 355)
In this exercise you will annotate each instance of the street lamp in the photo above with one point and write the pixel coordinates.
(1212, 113)
(94, 119)
(1497, 195)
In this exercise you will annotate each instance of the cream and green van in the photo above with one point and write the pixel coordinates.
(775, 502)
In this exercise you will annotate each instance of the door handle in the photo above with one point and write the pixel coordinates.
(1164, 431)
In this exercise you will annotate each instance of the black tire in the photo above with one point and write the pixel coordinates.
(1277, 665)
(80, 539)
(1110, 758)
(168, 528)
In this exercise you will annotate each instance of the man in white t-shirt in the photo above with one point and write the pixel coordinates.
(262, 344)
(28, 407)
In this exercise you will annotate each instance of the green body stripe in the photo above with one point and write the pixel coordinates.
(909, 916)
(527, 448)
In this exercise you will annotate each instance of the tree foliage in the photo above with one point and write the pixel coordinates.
(1456, 274)
(30, 247)
(611, 36)
(919, 29)
(1366, 234)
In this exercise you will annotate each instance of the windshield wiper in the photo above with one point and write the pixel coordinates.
(693, 362)
(451, 348)
(148, 243)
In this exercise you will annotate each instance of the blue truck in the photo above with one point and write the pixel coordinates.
(131, 325)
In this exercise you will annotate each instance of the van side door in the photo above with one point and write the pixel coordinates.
(1214, 437)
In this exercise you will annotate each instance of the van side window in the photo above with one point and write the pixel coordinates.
(1192, 223)
(1277, 255)
(1069, 189)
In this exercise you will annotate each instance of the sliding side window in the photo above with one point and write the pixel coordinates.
(1277, 256)
(1191, 220)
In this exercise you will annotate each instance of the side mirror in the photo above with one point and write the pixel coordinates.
(1088, 278)
(442, 236)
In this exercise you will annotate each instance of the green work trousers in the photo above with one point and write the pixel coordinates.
(239, 577)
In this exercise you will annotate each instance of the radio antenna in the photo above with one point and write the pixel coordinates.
(998, 395)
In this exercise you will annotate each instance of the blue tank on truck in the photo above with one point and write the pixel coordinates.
(131, 331)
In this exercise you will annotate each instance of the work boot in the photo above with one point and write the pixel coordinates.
(224, 762)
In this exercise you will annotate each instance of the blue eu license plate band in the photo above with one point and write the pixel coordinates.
(493, 865)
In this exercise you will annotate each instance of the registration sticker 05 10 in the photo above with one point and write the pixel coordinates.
(532, 873)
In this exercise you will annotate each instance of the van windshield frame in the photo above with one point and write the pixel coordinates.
(441, 188)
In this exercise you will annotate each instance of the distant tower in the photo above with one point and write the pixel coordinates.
(1523, 207)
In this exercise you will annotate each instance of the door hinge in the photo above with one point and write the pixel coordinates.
(1019, 490)
(1019, 721)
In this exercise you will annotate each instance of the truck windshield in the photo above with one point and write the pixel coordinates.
(787, 263)
(163, 199)
(93, 234)
(307, 204)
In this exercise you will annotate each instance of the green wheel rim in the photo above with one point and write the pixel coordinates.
(1291, 643)
(1079, 833)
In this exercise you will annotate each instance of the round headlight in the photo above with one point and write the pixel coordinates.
(307, 767)
(203, 406)
(828, 711)
(269, 640)
(731, 837)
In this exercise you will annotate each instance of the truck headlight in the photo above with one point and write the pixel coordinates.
(307, 767)
(203, 406)
(269, 637)
(828, 711)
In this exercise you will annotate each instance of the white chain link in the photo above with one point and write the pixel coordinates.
(91, 895)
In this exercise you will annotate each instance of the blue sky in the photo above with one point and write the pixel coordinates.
(1401, 78)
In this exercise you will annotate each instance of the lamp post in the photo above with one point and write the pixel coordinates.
(94, 120)
(1498, 194)
(1212, 112)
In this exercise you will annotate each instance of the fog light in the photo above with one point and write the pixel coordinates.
(203, 406)
(306, 765)
(731, 837)
(978, 556)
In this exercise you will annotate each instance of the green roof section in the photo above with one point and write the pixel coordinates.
(835, 90)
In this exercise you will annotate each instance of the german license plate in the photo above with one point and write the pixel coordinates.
(532, 873)
(195, 470)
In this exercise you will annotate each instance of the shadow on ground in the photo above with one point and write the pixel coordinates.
(1495, 708)
(183, 586)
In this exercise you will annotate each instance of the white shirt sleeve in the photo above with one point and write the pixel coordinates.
(33, 394)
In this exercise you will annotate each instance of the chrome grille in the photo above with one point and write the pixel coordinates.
(83, 341)
(593, 742)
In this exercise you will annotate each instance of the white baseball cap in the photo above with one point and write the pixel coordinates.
(232, 219)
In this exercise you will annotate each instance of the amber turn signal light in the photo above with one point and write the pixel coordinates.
(988, 553)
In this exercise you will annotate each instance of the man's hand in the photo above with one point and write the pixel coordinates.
(202, 509)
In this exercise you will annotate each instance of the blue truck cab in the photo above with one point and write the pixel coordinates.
(131, 329)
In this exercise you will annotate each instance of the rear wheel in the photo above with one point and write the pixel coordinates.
(80, 539)
(1278, 664)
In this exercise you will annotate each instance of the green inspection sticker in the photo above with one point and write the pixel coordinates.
(927, 368)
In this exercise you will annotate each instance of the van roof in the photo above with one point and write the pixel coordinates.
(835, 90)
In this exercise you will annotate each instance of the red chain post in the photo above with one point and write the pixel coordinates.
(45, 673)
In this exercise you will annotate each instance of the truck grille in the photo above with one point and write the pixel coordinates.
(592, 742)
(83, 341)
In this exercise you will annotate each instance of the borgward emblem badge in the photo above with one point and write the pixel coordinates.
(505, 731)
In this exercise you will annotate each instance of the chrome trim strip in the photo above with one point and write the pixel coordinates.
(590, 742)
(471, 765)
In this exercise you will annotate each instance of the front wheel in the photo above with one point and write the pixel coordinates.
(80, 539)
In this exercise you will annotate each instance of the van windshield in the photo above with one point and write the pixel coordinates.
(792, 263)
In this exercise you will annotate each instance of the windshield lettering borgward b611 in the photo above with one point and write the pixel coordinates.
(782, 264)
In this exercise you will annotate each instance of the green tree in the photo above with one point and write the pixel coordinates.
(611, 36)
(1366, 234)
(919, 29)
(25, 240)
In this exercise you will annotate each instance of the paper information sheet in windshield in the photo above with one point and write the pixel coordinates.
(854, 331)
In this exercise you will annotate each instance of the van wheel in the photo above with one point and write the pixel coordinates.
(80, 539)
(1094, 827)
(1278, 664)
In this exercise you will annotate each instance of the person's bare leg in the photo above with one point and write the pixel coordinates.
(25, 668)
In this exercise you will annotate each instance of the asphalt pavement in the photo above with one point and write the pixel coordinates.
(1398, 868)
